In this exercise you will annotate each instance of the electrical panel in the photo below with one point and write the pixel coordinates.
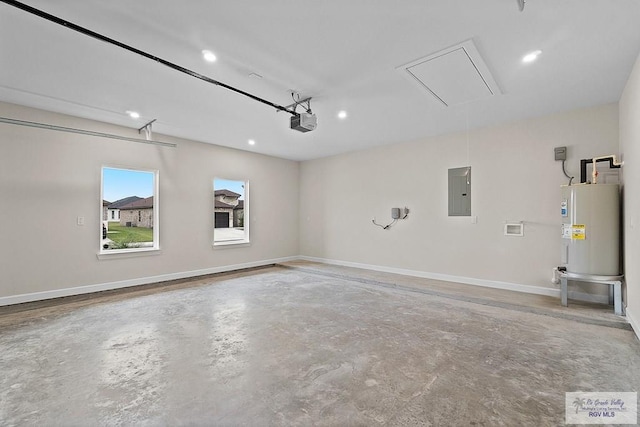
(460, 191)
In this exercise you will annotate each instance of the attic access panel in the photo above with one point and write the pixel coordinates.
(456, 75)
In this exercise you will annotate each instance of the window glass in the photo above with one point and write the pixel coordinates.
(230, 208)
(130, 197)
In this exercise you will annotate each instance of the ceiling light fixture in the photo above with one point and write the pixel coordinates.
(532, 56)
(133, 114)
(342, 115)
(252, 142)
(209, 56)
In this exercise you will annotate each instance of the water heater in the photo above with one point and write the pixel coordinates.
(591, 229)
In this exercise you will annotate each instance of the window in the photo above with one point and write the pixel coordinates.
(133, 202)
(230, 208)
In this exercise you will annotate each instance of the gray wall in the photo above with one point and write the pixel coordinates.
(630, 147)
(48, 179)
(514, 178)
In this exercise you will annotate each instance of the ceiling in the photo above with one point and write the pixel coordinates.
(346, 55)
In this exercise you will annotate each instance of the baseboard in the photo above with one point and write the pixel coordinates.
(537, 290)
(633, 321)
(87, 289)
(80, 290)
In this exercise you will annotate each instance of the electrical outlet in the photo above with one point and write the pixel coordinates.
(80, 220)
(560, 153)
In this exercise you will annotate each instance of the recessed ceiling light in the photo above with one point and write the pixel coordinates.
(133, 114)
(342, 114)
(209, 56)
(532, 56)
(252, 142)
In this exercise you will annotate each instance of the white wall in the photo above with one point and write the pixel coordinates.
(48, 179)
(630, 147)
(514, 177)
(513, 172)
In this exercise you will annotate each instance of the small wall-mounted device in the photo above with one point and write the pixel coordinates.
(399, 213)
(396, 214)
(560, 153)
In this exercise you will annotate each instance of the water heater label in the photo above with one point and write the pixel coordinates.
(566, 231)
(563, 208)
(578, 232)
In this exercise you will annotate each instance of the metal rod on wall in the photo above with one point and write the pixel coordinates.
(82, 132)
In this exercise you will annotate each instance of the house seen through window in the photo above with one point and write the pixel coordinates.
(230, 207)
(130, 211)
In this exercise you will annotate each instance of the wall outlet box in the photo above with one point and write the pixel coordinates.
(514, 229)
(560, 153)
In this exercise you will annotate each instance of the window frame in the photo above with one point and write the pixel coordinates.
(156, 214)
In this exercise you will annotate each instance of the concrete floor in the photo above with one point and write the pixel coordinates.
(305, 344)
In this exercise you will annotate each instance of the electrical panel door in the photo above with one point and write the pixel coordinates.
(460, 191)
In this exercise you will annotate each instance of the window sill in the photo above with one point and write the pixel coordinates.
(128, 253)
(231, 243)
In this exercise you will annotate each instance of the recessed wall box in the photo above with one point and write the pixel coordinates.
(514, 229)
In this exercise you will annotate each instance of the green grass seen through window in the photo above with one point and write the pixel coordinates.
(121, 234)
